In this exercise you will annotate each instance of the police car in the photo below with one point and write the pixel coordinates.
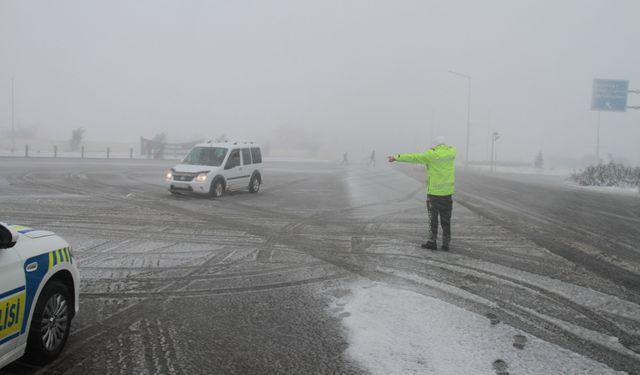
(39, 294)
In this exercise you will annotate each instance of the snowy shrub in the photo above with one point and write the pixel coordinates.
(611, 174)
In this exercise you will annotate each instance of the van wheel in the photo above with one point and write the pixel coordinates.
(254, 184)
(217, 188)
(50, 324)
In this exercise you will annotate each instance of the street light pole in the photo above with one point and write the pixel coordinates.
(466, 154)
(494, 137)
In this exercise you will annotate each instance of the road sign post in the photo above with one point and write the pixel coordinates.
(608, 95)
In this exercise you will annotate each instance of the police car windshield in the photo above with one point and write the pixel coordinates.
(212, 156)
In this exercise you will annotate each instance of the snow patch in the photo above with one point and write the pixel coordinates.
(395, 331)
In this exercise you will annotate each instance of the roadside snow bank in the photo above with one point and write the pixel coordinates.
(395, 331)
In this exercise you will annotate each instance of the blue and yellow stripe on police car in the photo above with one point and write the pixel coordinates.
(60, 256)
(46, 261)
(12, 307)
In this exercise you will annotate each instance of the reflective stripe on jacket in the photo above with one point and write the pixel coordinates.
(439, 162)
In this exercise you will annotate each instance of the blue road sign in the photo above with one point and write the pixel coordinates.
(609, 95)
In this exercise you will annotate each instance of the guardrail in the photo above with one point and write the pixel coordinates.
(82, 153)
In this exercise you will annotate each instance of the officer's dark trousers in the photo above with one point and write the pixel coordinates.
(439, 207)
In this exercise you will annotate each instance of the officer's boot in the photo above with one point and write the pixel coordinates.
(431, 243)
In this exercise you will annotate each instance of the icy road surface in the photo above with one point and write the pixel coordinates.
(321, 272)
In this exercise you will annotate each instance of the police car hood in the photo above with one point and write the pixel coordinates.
(32, 242)
(188, 168)
(30, 232)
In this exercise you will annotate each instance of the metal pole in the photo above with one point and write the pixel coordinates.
(494, 137)
(466, 153)
(13, 130)
(598, 139)
(495, 161)
(493, 141)
(489, 134)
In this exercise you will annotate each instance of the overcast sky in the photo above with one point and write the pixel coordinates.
(361, 74)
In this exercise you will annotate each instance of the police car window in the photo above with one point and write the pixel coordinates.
(257, 156)
(212, 156)
(246, 156)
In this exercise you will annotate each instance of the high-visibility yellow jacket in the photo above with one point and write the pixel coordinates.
(439, 162)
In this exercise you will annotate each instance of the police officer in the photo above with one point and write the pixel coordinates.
(439, 163)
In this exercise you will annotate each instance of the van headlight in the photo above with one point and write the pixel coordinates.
(201, 177)
(169, 175)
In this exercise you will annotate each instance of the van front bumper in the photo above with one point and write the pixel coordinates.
(191, 187)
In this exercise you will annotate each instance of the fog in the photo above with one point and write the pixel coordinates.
(338, 75)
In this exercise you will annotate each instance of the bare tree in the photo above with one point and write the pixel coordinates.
(539, 161)
(76, 138)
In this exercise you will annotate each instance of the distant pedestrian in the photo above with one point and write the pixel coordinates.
(372, 159)
(345, 159)
(439, 164)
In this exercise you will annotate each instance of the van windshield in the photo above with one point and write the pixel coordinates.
(212, 156)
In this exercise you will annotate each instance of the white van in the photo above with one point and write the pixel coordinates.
(213, 168)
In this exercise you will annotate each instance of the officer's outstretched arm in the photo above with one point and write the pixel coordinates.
(415, 158)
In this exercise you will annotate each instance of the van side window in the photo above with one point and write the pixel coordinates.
(246, 156)
(257, 156)
(234, 159)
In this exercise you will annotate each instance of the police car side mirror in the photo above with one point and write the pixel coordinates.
(8, 237)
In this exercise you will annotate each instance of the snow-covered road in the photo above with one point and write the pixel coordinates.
(321, 272)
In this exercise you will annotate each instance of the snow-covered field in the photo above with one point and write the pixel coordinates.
(561, 173)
